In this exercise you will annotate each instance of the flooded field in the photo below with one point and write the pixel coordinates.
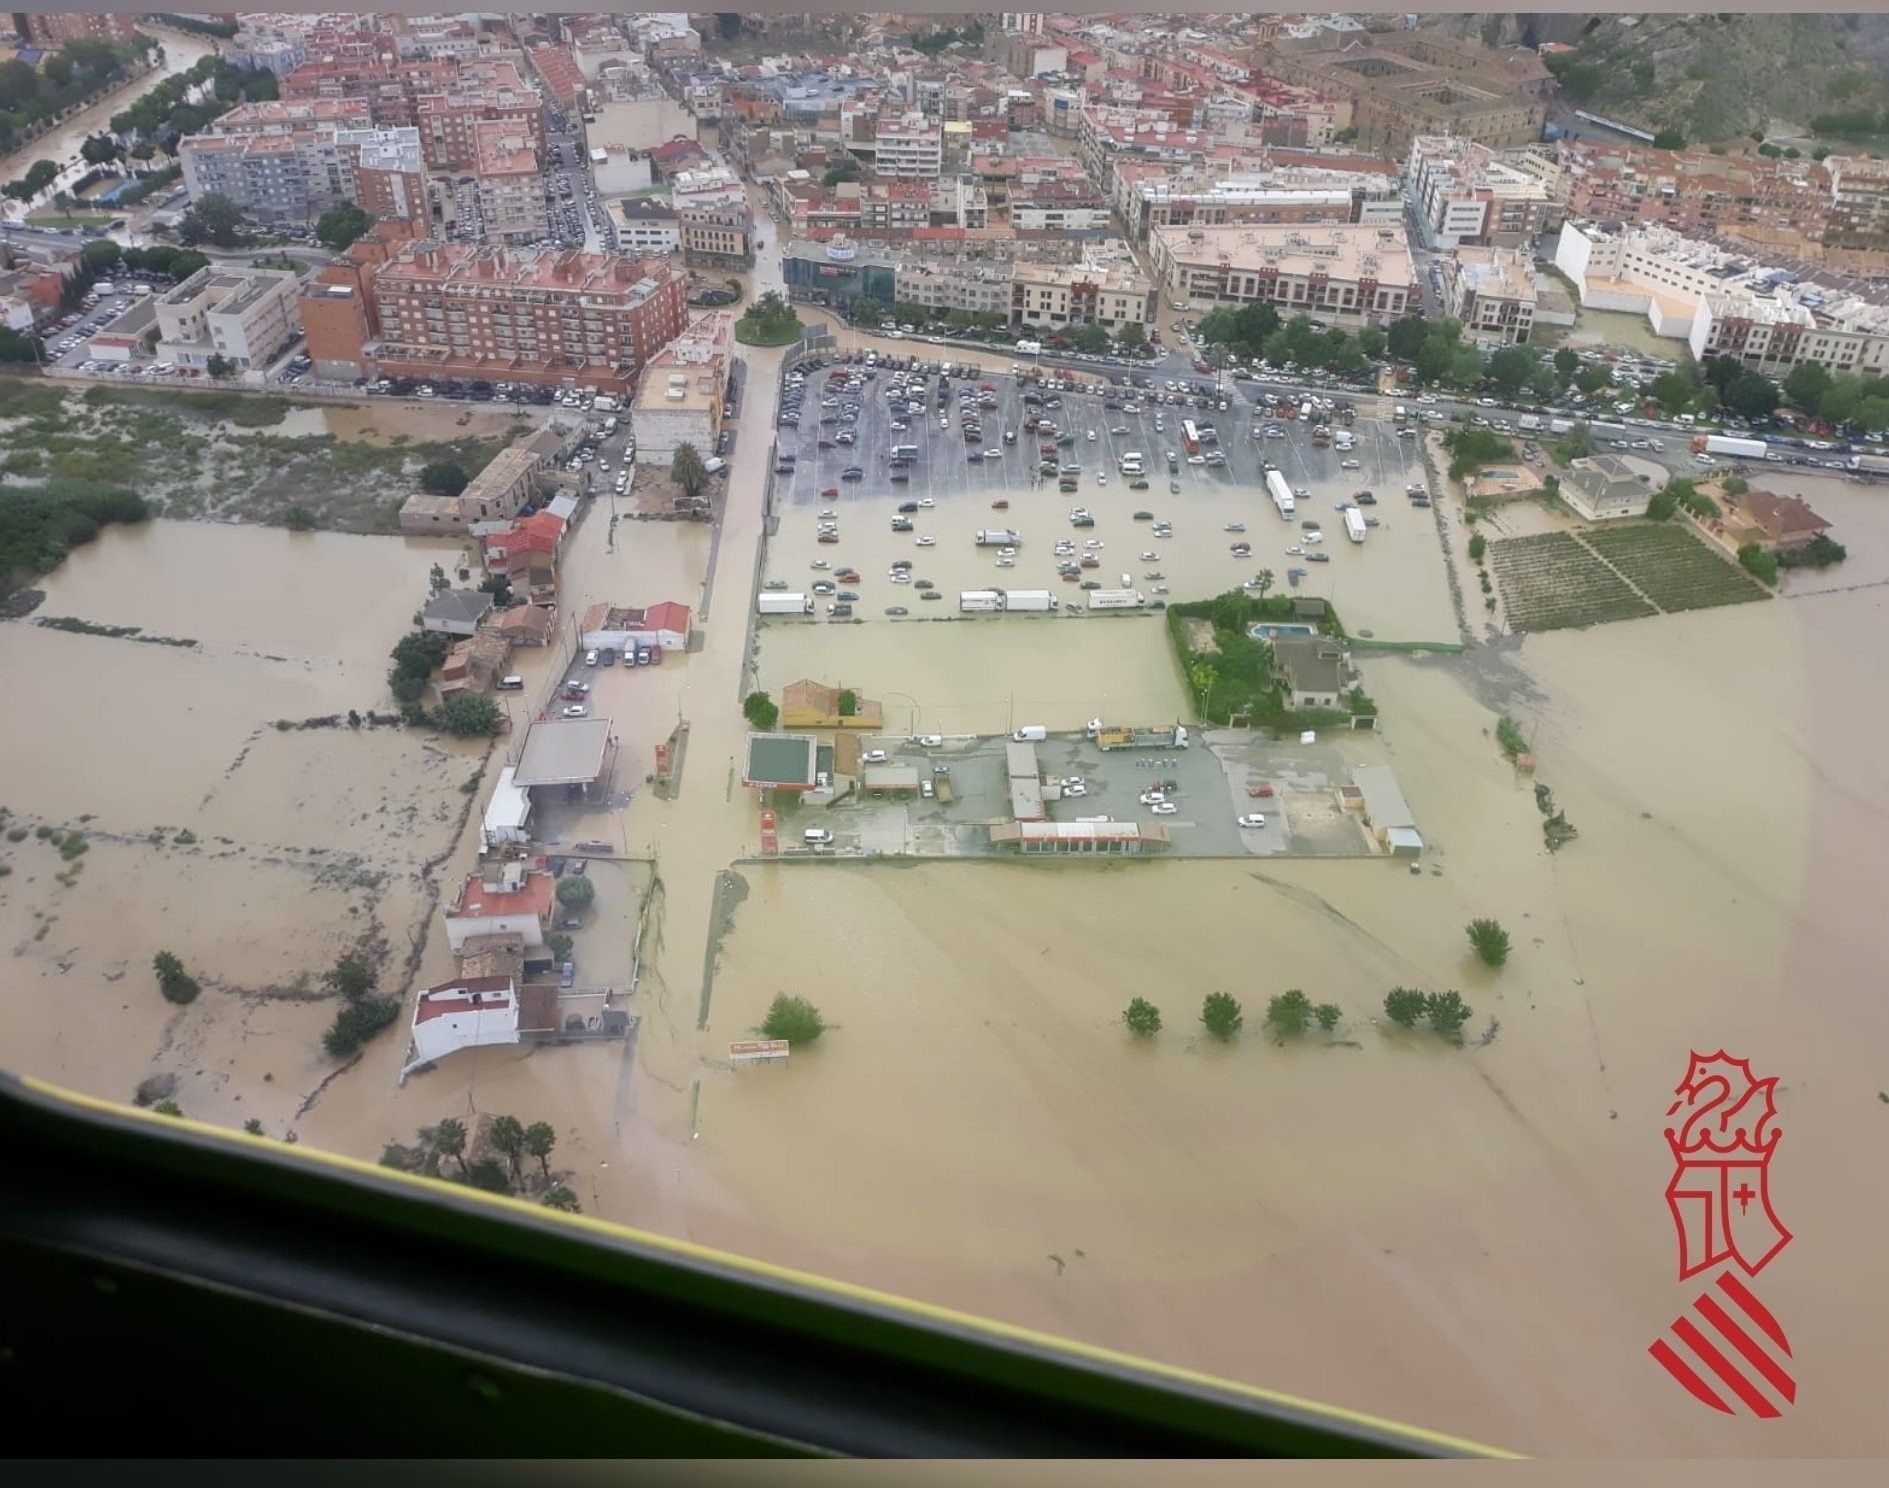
(1471, 1238)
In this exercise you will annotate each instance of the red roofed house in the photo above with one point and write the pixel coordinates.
(1780, 523)
(614, 627)
(503, 899)
(463, 1014)
(526, 553)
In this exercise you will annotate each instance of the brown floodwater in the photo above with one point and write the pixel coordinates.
(1474, 1239)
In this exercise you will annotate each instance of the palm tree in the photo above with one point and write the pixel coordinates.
(508, 1136)
(449, 1140)
(540, 1138)
(1262, 581)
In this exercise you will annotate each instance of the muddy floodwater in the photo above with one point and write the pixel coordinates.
(1473, 1238)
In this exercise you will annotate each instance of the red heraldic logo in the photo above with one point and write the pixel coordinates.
(1728, 1344)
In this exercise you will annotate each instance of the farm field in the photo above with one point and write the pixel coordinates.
(1673, 567)
(1551, 580)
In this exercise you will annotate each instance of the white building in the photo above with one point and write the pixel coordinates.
(245, 316)
(503, 899)
(465, 1013)
(679, 400)
(1464, 193)
(1492, 292)
(907, 146)
(620, 170)
(1721, 303)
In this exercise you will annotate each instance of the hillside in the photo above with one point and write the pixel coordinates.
(1711, 77)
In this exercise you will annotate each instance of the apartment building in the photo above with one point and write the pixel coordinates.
(290, 162)
(1464, 194)
(1492, 292)
(680, 398)
(508, 185)
(974, 286)
(1858, 213)
(648, 227)
(55, 29)
(1154, 196)
(714, 222)
(444, 99)
(905, 145)
(435, 310)
(1111, 292)
(1349, 275)
(1721, 303)
(245, 316)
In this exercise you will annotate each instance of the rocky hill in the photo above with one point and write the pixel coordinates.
(1710, 77)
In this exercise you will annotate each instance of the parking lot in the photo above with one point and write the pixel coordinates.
(1394, 583)
(1207, 782)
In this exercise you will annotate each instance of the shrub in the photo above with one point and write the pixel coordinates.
(1403, 1006)
(760, 710)
(1289, 1013)
(173, 981)
(1508, 734)
(1447, 1013)
(1478, 545)
(1759, 562)
(357, 1023)
(1222, 1014)
(1489, 941)
(1142, 1017)
(794, 1019)
(576, 891)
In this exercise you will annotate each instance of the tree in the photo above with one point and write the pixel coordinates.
(471, 715)
(443, 478)
(1142, 1017)
(1722, 371)
(340, 226)
(1592, 378)
(100, 253)
(357, 1023)
(173, 981)
(17, 348)
(1489, 941)
(1406, 337)
(508, 1136)
(1091, 340)
(1263, 581)
(576, 891)
(1510, 368)
(64, 202)
(540, 1138)
(687, 470)
(1669, 139)
(1403, 1006)
(100, 149)
(449, 1140)
(253, 1127)
(213, 218)
(794, 1019)
(352, 977)
(1673, 391)
(488, 1174)
(1447, 1013)
(1752, 395)
(1222, 1014)
(1566, 364)
(562, 1198)
(1662, 504)
(1131, 335)
(843, 170)
(761, 711)
(1328, 1015)
(1288, 1013)
(1478, 545)
(1759, 562)
(1807, 384)
(1372, 341)
(1734, 485)
(499, 587)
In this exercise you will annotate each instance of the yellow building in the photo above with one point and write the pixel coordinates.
(807, 704)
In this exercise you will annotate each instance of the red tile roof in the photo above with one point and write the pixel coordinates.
(478, 902)
(467, 995)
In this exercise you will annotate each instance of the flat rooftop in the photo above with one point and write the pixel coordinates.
(1347, 251)
(790, 760)
(563, 751)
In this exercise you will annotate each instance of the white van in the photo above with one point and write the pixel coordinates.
(511, 684)
(817, 837)
(1031, 733)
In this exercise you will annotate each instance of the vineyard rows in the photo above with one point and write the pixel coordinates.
(1551, 580)
(1673, 568)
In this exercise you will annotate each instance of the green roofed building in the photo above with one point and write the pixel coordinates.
(788, 762)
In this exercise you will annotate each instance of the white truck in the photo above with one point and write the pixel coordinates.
(1354, 524)
(1560, 426)
(603, 403)
(1725, 444)
(1281, 490)
(1029, 348)
(1116, 599)
(1528, 423)
(998, 537)
(1870, 464)
(786, 604)
(1029, 599)
(979, 601)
